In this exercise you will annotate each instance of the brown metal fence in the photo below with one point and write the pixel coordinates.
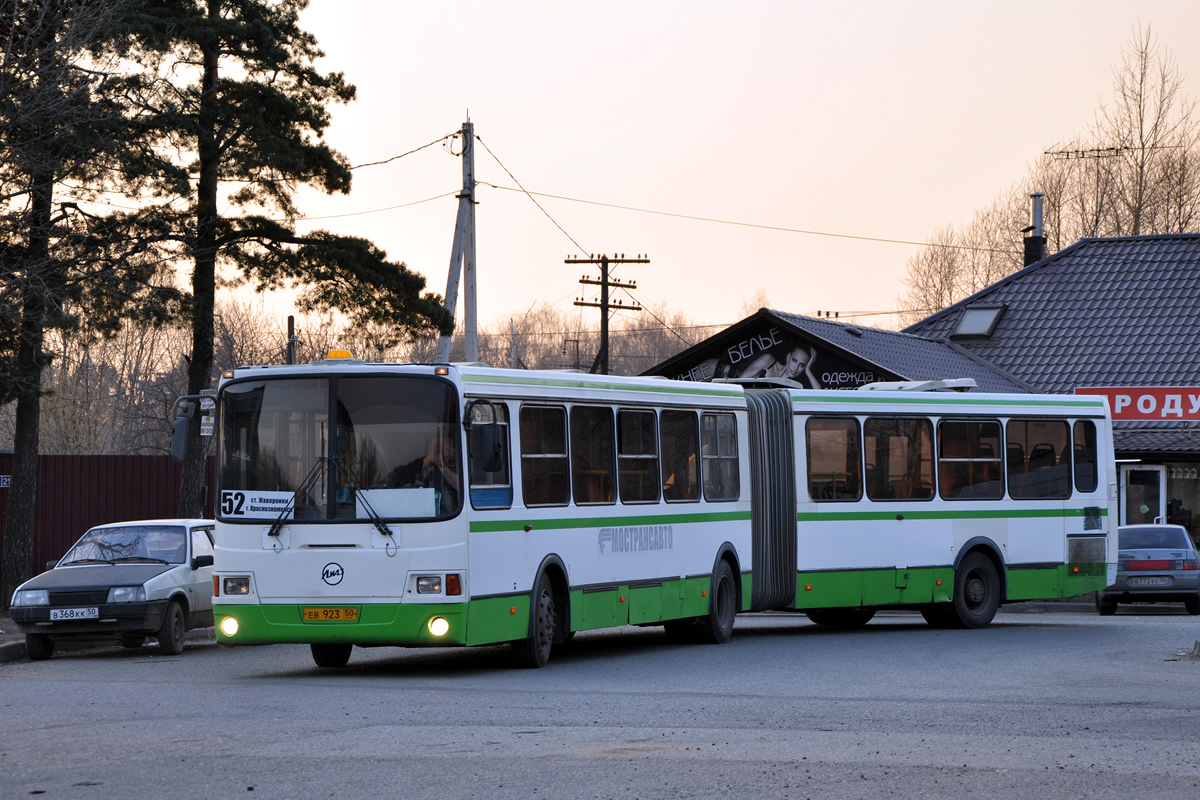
(78, 492)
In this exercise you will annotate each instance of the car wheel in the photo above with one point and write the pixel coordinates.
(38, 646)
(132, 642)
(1192, 604)
(173, 630)
(1107, 606)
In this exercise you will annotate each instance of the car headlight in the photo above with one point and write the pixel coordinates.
(127, 594)
(31, 597)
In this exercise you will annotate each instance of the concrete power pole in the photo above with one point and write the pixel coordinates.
(463, 253)
(601, 363)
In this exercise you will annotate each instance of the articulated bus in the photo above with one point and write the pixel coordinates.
(439, 505)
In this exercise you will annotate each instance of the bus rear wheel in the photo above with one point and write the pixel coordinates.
(845, 619)
(331, 655)
(976, 591)
(533, 652)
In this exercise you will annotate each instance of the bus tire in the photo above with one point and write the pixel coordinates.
(173, 632)
(844, 619)
(331, 655)
(717, 627)
(976, 591)
(533, 652)
(941, 617)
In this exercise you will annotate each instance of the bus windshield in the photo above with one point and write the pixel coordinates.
(390, 453)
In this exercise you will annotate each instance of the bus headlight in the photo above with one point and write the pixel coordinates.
(429, 584)
(235, 586)
(229, 626)
(439, 626)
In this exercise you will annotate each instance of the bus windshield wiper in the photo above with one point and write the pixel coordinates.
(141, 558)
(303, 488)
(352, 483)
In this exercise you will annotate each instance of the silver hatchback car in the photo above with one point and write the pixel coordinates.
(124, 581)
(1156, 564)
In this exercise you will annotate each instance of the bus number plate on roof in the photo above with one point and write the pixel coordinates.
(328, 614)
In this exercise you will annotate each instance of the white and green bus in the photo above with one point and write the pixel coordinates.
(440, 505)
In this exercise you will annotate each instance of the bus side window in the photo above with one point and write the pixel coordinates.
(719, 451)
(1035, 468)
(637, 457)
(544, 456)
(680, 456)
(969, 461)
(834, 460)
(899, 463)
(593, 458)
(488, 453)
(1085, 455)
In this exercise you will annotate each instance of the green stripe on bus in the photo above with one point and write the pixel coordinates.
(704, 390)
(909, 513)
(499, 525)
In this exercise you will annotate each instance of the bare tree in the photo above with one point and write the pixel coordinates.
(1137, 171)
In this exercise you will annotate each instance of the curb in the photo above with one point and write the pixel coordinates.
(15, 651)
(12, 651)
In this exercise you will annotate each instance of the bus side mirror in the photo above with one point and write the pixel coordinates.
(179, 430)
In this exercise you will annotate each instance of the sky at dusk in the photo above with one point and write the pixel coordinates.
(808, 123)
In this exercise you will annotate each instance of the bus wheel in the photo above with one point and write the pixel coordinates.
(846, 619)
(534, 651)
(976, 591)
(942, 616)
(717, 627)
(331, 655)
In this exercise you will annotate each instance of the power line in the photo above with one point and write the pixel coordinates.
(747, 224)
(529, 195)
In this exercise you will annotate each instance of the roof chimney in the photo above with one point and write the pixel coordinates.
(1035, 240)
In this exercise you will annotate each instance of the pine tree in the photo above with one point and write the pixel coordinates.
(239, 96)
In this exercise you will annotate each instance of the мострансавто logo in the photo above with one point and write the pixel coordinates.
(635, 539)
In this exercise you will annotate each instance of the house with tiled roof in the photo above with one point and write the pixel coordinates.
(1117, 316)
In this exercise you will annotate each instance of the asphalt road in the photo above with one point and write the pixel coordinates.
(1039, 705)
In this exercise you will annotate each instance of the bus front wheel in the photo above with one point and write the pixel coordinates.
(331, 655)
(533, 652)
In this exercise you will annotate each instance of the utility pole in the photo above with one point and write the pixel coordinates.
(601, 363)
(463, 253)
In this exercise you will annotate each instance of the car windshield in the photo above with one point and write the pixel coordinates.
(1153, 539)
(164, 543)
